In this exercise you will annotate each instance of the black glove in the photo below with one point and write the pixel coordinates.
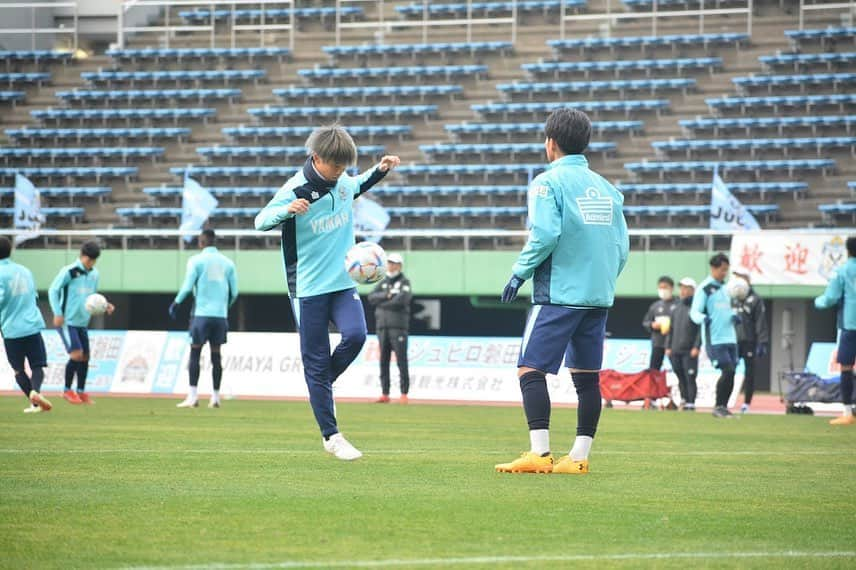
(510, 292)
(762, 349)
(173, 310)
(736, 319)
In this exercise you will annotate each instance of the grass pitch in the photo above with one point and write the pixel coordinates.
(133, 482)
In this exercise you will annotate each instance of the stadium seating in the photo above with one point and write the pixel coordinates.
(258, 153)
(199, 54)
(755, 145)
(97, 154)
(392, 112)
(756, 167)
(831, 211)
(482, 130)
(233, 173)
(322, 14)
(180, 78)
(440, 214)
(486, 9)
(413, 72)
(100, 135)
(301, 132)
(800, 60)
(152, 213)
(697, 211)
(780, 124)
(156, 96)
(126, 115)
(649, 66)
(458, 192)
(233, 192)
(670, 41)
(71, 172)
(823, 36)
(70, 193)
(19, 79)
(539, 110)
(837, 81)
(37, 57)
(442, 50)
(489, 173)
(505, 150)
(791, 102)
(576, 89)
(12, 96)
(698, 190)
(370, 93)
(645, 5)
(72, 215)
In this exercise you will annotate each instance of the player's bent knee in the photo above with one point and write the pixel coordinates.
(524, 370)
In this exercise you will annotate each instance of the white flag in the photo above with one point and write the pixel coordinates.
(726, 211)
(197, 203)
(28, 209)
(369, 216)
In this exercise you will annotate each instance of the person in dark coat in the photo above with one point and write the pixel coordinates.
(391, 299)
(683, 343)
(753, 337)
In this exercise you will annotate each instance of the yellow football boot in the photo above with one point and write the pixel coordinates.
(528, 462)
(843, 421)
(567, 466)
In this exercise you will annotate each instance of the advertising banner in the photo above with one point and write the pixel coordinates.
(788, 258)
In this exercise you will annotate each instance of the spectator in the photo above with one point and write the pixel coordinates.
(683, 342)
(658, 319)
(753, 336)
(391, 299)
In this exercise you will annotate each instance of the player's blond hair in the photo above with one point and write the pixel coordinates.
(332, 144)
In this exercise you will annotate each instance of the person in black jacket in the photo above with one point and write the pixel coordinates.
(753, 336)
(391, 299)
(683, 342)
(658, 320)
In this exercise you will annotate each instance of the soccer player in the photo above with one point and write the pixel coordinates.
(753, 337)
(577, 247)
(841, 293)
(21, 323)
(67, 295)
(212, 280)
(711, 307)
(314, 208)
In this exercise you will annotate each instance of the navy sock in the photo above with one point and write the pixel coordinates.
(216, 369)
(536, 399)
(588, 409)
(37, 378)
(193, 365)
(24, 382)
(70, 371)
(82, 372)
(847, 387)
(724, 387)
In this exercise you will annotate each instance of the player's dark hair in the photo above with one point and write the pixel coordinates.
(570, 128)
(333, 144)
(851, 246)
(90, 249)
(5, 247)
(719, 260)
(667, 280)
(207, 237)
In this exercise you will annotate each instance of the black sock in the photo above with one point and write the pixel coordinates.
(193, 365)
(37, 378)
(70, 371)
(588, 394)
(536, 399)
(24, 382)
(847, 387)
(82, 372)
(216, 370)
(724, 387)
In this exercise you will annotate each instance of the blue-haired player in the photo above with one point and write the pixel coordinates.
(314, 209)
(67, 295)
(21, 324)
(213, 281)
(712, 308)
(841, 294)
(577, 247)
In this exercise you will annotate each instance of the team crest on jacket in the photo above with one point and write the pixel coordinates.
(595, 209)
(343, 192)
(315, 195)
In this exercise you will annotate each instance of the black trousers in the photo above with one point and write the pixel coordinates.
(657, 354)
(686, 369)
(393, 340)
(746, 351)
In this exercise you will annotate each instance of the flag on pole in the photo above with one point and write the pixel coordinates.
(28, 209)
(370, 216)
(726, 211)
(197, 203)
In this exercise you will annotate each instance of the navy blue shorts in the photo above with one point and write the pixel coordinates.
(74, 338)
(722, 356)
(31, 348)
(554, 332)
(208, 329)
(846, 348)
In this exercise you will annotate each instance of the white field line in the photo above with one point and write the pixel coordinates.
(488, 560)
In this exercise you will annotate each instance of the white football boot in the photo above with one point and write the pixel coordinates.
(341, 448)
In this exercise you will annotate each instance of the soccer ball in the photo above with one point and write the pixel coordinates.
(366, 262)
(737, 288)
(96, 304)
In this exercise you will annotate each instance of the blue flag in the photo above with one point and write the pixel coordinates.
(726, 211)
(369, 216)
(197, 203)
(28, 209)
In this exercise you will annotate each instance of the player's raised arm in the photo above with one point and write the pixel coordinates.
(376, 173)
(284, 205)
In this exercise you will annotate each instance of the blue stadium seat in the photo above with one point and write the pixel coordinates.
(437, 49)
(70, 193)
(301, 132)
(459, 192)
(233, 192)
(645, 5)
(391, 111)
(127, 115)
(154, 95)
(267, 152)
(488, 172)
(67, 214)
(322, 14)
(537, 129)
(199, 54)
(831, 211)
(71, 172)
(852, 186)
(170, 213)
(235, 172)
(823, 36)
(635, 42)
(838, 81)
(793, 102)
(701, 212)
(34, 56)
(12, 96)
(17, 79)
(747, 124)
(753, 145)
(369, 93)
(592, 88)
(388, 73)
(33, 155)
(679, 66)
(542, 109)
(706, 167)
(101, 135)
(486, 9)
(509, 149)
(181, 77)
(798, 60)
(456, 212)
(698, 189)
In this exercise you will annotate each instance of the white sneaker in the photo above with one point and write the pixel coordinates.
(212, 403)
(188, 403)
(341, 448)
(32, 410)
